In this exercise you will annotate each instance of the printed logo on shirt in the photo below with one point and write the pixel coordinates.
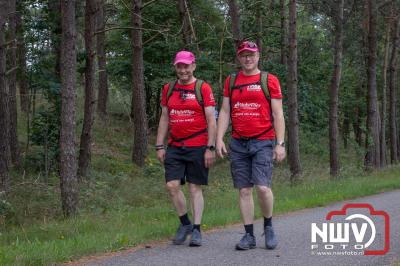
(248, 106)
(189, 96)
(254, 87)
(212, 97)
(181, 112)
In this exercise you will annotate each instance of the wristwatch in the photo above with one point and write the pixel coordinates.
(211, 147)
(281, 143)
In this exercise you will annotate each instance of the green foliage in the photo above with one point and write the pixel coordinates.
(45, 126)
(163, 29)
(45, 132)
(7, 213)
(41, 30)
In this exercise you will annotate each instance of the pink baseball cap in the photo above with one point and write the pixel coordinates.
(184, 57)
(247, 46)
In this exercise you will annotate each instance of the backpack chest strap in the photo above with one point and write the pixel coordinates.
(245, 85)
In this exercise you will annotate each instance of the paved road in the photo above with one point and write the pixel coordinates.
(294, 231)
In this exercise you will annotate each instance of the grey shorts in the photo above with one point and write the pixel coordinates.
(251, 162)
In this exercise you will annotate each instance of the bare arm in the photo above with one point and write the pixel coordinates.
(279, 126)
(223, 123)
(162, 132)
(211, 124)
(209, 156)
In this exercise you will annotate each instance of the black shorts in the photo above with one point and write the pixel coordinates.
(186, 164)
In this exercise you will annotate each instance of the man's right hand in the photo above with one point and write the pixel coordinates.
(161, 155)
(221, 149)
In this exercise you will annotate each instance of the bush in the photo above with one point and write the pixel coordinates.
(45, 132)
(7, 212)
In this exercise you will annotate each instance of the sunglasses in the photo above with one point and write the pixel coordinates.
(247, 44)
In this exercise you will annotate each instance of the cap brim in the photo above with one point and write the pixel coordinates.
(255, 49)
(183, 61)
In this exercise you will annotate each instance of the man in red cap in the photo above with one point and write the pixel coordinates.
(253, 102)
(188, 108)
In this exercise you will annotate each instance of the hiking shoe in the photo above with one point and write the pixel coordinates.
(195, 241)
(182, 233)
(247, 242)
(270, 238)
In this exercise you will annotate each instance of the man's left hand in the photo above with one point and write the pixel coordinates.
(279, 153)
(209, 158)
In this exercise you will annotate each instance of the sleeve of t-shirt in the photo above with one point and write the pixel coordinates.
(208, 96)
(226, 86)
(164, 95)
(274, 87)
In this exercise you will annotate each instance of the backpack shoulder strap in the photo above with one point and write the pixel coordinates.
(198, 92)
(171, 87)
(264, 84)
(232, 81)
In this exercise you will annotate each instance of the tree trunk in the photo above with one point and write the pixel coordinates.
(88, 116)
(383, 149)
(186, 32)
(373, 147)
(55, 13)
(357, 116)
(284, 43)
(69, 186)
(334, 91)
(398, 140)
(346, 131)
(101, 55)
(293, 130)
(21, 57)
(138, 111)
(259, 19)
(158, 100)
(234, 14)
(357, 129)
(12, 87)
(4, 136)
(393, 94)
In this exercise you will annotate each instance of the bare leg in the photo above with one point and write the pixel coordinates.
(266, 200)
(197, 202)
(246, 204)
(178, 199)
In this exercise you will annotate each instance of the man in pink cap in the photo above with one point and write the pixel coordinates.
(188, 108)
(253, 102)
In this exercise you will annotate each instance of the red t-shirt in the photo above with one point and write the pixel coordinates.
(251, 112)
(186, 116)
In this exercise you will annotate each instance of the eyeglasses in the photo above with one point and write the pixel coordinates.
(247, 44)
(243, 55)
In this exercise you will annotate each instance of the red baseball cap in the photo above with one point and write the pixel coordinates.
(184, 57)
(247, 46)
